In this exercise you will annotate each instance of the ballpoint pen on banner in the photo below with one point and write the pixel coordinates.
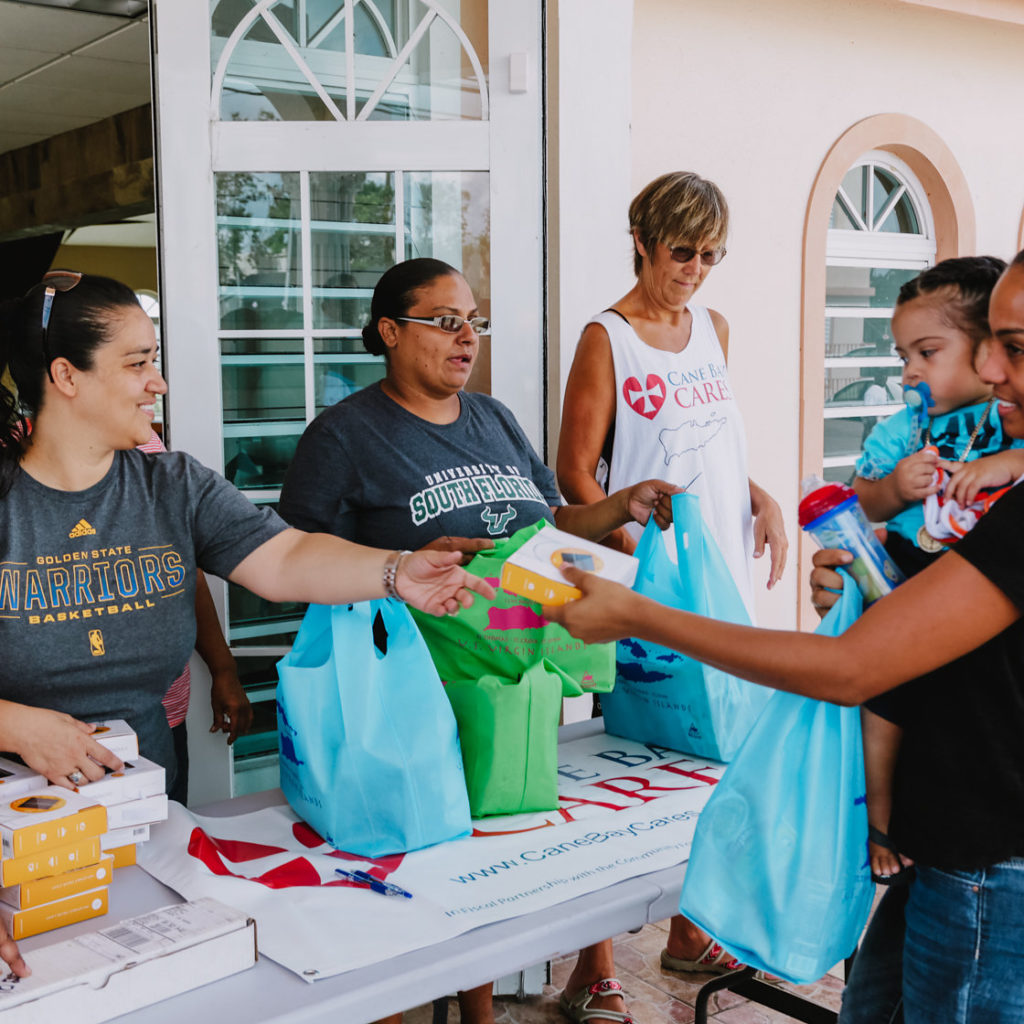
(376, 885)
(389, 888)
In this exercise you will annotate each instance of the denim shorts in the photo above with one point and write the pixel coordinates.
(948, 950)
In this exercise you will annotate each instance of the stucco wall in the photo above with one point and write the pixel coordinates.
(753, 95)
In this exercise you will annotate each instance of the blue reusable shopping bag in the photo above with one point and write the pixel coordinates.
(778, 872)
(369, 750)
(660, 695)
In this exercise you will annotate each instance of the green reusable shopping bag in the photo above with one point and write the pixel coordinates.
(506, 636)
(508, 731)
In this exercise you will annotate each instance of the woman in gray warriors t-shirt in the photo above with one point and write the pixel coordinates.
(99, 543)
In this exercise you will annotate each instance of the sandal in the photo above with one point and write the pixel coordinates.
(714, 960)
(905, 873)
(578, 1008)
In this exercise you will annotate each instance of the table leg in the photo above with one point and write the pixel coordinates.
(743, 983)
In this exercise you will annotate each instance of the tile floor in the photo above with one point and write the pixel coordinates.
(654, 996)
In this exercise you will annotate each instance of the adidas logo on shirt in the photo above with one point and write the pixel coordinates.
(82, 529)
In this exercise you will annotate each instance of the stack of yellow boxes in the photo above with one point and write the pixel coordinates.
(59, 848)
(52, 869)
(134, 798)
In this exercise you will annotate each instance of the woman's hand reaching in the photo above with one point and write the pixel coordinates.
(651, 497)
(434, 582)
(55, 745)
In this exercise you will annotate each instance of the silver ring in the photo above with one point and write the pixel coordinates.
(75, 777)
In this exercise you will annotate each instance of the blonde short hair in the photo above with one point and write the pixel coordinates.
(680, 208)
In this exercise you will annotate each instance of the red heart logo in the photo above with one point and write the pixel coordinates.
(646, 400)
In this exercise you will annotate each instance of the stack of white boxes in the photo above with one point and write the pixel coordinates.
(134, 798)
(59, 848)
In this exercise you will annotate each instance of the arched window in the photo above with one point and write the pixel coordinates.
(881, 233)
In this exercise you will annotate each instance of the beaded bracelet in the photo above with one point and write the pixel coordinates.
(394, 560)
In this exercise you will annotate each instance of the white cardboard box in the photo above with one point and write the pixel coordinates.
(17, 779)
(118, 837)
(117, 736)
(134, 963)
(139, 778)
(138, 812)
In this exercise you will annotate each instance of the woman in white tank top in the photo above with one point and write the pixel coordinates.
(649, 378)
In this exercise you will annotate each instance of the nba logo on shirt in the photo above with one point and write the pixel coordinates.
(96, 643)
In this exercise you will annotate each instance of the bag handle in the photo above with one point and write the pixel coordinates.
(688, 527)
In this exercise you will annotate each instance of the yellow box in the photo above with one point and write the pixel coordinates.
(534, 571)
(47, 817)
(15, 870)
(58, 887)
(21, 924)
(124, 856)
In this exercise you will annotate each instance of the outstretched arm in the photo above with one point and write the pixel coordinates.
(632, 504)
(316, 567)
(918, 627)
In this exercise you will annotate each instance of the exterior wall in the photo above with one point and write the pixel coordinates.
(588, 174)
(754, 96)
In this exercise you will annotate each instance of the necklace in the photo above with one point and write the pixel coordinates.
(925, 541)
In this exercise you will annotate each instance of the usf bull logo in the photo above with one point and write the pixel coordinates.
(497, 521)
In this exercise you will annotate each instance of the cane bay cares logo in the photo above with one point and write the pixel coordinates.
(646, 398)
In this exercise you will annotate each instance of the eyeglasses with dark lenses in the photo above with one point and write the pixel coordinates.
(684, 253)
(55, 281)
(452, 324)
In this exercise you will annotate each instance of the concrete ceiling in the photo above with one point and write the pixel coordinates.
(63, 66)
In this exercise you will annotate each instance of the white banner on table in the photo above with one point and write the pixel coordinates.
(625, 809)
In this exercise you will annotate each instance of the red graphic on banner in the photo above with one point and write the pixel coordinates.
(217, 853)
(645, 399)
(238, 851)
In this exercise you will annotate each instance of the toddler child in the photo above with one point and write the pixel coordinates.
(940, 323)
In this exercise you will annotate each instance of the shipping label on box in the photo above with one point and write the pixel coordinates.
(119, 737)
(17, 779)
(21, 924)
(131, 964)
(58, 887)
(534, 570)
(47, 817)
(138, 779)
(138, 812)
(16, 870)
(117, 837)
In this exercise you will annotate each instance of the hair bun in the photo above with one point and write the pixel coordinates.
(372, 341)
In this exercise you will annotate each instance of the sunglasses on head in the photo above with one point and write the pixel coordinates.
(685, 253)
(55, 281)
(452, 324)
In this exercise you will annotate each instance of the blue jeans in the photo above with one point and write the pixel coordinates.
(962, 952)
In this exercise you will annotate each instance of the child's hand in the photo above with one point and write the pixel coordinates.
(914, 476)
(886, 863)
(967, 478)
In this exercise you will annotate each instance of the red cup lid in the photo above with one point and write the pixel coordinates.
(823, 500)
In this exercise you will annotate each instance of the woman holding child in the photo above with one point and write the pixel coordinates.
(959, 777)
